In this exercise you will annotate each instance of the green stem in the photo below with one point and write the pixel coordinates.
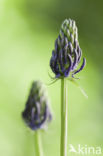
(38, 145)
(64, 110)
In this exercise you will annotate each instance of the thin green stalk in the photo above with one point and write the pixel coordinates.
(64, 110)
(38, 145)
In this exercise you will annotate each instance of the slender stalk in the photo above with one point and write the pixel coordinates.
(64, 110)
(38, 145)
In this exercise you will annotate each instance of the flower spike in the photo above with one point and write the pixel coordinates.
(36, 113)
(67, 53)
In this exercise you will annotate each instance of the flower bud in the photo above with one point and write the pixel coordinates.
(36, 113)
(67, 53)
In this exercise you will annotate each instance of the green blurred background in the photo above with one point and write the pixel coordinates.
(28, 29)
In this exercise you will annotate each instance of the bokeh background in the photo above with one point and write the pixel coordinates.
(28, 29)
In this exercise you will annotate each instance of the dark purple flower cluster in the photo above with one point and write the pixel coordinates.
(37, 113)
(67, 53)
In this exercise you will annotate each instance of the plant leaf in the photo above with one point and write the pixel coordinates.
(80, 88)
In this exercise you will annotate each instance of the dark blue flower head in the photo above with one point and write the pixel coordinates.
(37, 113)
(67, 53)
